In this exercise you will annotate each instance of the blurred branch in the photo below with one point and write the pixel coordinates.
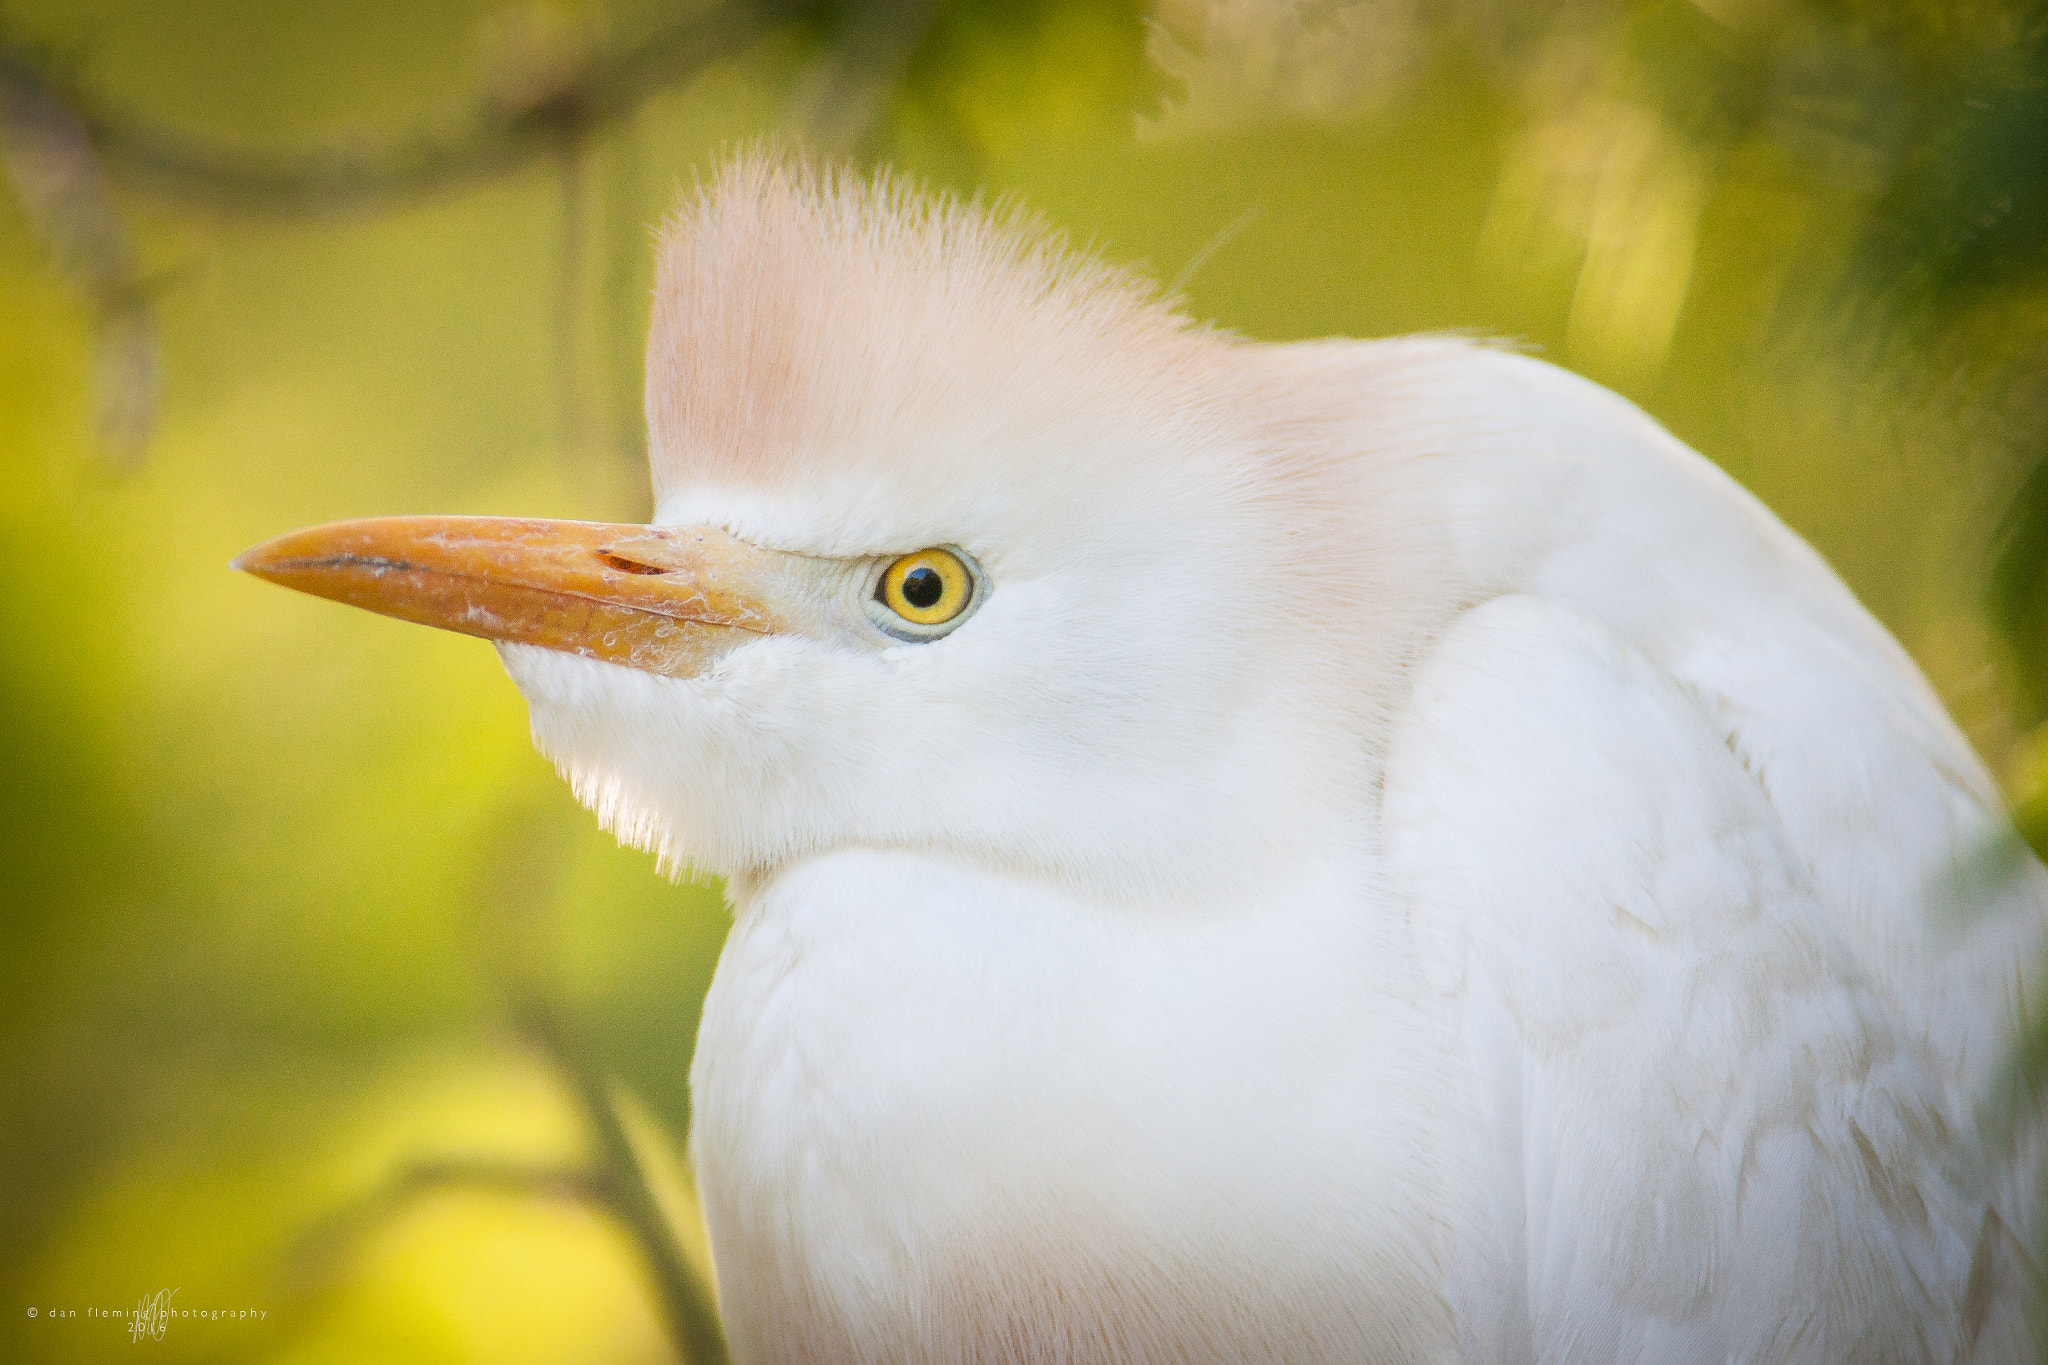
(872, 45)
(57, 172)
(320, 1247)
(575, 356)
(2018, 595)
(496, 137)
(61, 141)
(552, 95)
(616, 1181)
(520, 861)
(691, 1313)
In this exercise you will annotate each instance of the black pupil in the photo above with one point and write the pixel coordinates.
(923, 588)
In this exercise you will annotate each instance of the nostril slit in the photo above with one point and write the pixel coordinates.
(625, 565)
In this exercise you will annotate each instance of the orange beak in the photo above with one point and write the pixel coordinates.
(660, 599)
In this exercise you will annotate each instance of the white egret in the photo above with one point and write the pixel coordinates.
(1348, 851)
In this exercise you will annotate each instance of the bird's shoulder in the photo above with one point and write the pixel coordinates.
(1535, 483)
(1702, 1129)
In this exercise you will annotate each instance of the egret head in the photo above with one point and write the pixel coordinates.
(963, 542)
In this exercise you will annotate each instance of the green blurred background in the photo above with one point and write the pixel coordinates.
(268, 865)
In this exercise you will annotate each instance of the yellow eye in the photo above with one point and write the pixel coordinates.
(927, 589)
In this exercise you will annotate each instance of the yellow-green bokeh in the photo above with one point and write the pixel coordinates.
(261, 852)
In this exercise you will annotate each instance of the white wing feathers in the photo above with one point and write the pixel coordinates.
(1710, 1134)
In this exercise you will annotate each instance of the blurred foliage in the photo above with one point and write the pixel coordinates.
(273, 870)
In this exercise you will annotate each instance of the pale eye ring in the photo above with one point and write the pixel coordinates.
(926, 594)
